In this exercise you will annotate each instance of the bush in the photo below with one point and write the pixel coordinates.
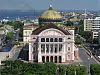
(95, 69)
(62, 69)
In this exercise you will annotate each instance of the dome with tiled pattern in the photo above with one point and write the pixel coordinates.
(51, 14)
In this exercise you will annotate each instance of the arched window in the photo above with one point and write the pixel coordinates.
(47, 59)
(43, 59)
(51, 59)
(60, 59)
(55, 59)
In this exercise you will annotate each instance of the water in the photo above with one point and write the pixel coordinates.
(31, 14)
(12, 15)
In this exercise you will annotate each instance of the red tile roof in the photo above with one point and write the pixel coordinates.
(51, 25)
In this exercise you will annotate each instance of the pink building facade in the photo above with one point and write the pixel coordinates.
(51, 43)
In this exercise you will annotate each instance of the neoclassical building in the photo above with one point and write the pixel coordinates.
(50, 41)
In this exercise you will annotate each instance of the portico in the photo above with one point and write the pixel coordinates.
(51, 44)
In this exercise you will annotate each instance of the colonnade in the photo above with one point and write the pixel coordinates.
(51, 48)
(55, 59)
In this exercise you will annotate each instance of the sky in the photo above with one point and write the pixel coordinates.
(44, 4)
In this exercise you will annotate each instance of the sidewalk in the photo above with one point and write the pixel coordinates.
(89, 53)
(3, 56)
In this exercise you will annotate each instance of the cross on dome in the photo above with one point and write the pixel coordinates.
(50, 6)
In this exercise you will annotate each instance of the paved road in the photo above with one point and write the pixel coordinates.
(84, 59)
(15, 56)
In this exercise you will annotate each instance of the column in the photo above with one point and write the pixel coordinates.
(72, 53)
(57, 59)
(39, 54)
(49, 49)
(58, 49)
(64, 48)
(53, 48)
(63, 58)
(30, 52)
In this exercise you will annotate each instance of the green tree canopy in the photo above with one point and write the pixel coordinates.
(9, 35)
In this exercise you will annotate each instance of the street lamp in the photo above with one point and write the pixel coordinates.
(89, 66)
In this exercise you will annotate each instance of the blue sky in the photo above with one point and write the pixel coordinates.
(43, 4)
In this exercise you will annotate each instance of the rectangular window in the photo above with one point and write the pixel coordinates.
(47, 48)
(43, 48)
(56, 40)
(56, 47)
(51, 39)
(42, 39)
(68, 57)
(60, 47)
(47, 39)
(51, 48)
(60, 39)
(68, 48)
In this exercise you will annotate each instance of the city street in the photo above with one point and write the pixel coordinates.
(84, 58)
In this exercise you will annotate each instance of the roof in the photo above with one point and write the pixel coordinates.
(30, 26)
(51, 14)
(51, 25)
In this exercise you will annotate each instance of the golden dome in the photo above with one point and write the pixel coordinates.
(51, 14)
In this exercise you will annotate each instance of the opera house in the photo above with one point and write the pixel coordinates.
(50, 41)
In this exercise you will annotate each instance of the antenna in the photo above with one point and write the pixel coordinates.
(85, 13)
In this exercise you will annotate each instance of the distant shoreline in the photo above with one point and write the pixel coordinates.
(31, 14)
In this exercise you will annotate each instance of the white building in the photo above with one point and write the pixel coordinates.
(6, 29)
(92, 25)
(95, 34)
(99, 37)
(27, 31)
(50, 43)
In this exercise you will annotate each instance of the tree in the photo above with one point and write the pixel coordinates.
(62, 69)
(18, 67)
(21, 32)
(78, 40)
(81, 22)
(69, 23)
(87, 35)
(70, 70)
(50, 68)
(9, 35)
(96, 41)
(81, 70)
(95, 69)
(17, 24)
